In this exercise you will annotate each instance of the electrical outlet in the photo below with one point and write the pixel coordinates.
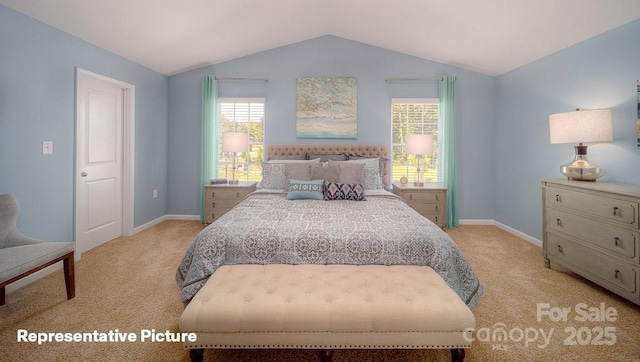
(47, 147)
(155, 194)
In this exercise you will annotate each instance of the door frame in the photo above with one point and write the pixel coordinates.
(128, 150)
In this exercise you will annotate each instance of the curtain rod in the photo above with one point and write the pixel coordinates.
(243, 79)
(391, 80)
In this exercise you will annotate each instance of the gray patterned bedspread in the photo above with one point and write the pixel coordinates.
(266, 228)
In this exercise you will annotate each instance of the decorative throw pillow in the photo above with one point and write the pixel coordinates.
(350, 172)
(340, 191)
(305, 190)
(273, 176)
(372, 172)
(273, 173)
(327, 173)
(297, 171)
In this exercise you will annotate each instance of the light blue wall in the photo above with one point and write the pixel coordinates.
(599, 73)
(333, 56)
(37, 93)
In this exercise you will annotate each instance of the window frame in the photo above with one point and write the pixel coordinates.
(433, 162)
(256, 153)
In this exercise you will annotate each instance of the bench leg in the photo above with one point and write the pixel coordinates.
(326, 355)
(196, 355)
(457, 355)
(69, 276)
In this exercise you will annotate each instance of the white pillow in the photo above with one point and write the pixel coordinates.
(372, 172)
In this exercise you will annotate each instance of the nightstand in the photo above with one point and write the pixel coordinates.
(218, 199)
(430, 200)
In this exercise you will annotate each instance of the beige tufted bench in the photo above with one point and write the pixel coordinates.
(327, 307)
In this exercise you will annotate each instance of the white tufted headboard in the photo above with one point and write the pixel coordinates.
(279, 150)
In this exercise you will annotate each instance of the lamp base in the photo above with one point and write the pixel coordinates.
(580, 169)
(233, 182)
(418, 184)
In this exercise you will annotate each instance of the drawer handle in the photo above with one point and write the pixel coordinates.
(560, 248)
(437, 208)
(615, 211)
(237, 195)
(558, 198)
(213, 204)
(616, 240)
(410, 197)
(437, 197)
(559, 222)
(616, 274)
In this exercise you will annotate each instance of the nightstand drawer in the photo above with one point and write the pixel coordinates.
(212, 215)
(422, 208)
(607, 208)
(424, 197)
(598, 268)
(219, 199)
(224, 194)
(620, 241)
(437, 219)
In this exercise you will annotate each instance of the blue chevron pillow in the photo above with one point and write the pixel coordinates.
(338, 191)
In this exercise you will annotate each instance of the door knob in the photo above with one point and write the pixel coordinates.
(84, 174)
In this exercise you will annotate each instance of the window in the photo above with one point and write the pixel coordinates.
(242, 115)
(414, 116)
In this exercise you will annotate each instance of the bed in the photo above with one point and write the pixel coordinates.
(269, 227)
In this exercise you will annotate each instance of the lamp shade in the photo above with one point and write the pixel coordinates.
(418, 144)
(235, 142)
(581, 126)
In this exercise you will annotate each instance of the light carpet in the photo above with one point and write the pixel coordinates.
(128, 284)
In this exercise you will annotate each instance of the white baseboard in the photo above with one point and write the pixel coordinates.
(163, 218)
(504, 227)
(183, 217)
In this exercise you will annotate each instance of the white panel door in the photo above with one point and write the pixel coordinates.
(99, 161)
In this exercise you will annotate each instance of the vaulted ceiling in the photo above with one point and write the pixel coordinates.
(487, 36)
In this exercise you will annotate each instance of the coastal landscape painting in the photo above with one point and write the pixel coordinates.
(327, 107)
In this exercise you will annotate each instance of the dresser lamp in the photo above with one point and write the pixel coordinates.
(419, 145)
(233, 142)
(581, 127)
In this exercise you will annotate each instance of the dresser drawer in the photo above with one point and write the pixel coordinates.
(620, 241)
(601, 269)
(610, 209)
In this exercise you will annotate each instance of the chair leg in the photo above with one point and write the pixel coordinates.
(2, 296)
(69, 276)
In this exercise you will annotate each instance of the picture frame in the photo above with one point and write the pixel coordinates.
(326, 107)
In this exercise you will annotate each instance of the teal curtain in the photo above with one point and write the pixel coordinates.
(447, 90)
(209, 152)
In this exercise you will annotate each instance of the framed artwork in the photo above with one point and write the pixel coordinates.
(327, 107)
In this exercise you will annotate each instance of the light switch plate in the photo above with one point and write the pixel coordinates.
(47, 147)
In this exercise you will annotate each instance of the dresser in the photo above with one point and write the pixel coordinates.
(218, 199)
(592, 229)
(430, 200)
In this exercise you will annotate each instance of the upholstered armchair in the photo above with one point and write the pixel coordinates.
(21, 255)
